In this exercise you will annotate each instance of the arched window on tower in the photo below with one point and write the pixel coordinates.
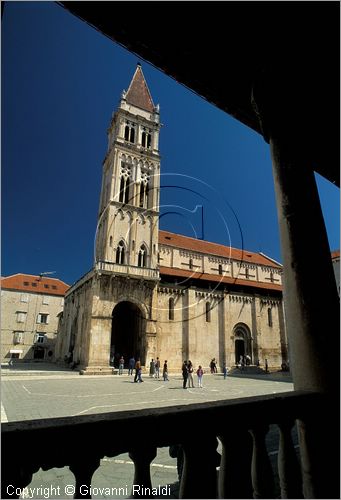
(171, 309)
(208, 312)
(125, 184)
(110, 241)
(142, 194)
(146, 138)
(122, 190)
(142, 258)
(129, 132)
(120, 253)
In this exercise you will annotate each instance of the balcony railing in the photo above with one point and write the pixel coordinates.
(127, 270)
(240, 424)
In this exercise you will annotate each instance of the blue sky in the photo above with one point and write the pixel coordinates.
(61, 81)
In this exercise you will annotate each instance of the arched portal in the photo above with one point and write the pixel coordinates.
(127, 333)
(242, 342)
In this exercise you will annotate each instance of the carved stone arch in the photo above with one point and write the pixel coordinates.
(129, 216)
(141, 219)
(123, 157)
(129, 160)
(242, 342)
(143, 243)
(120, 214)
(143, 307)
(119, 239)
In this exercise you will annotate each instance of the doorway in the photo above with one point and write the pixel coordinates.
(127, 339)
(239, 349)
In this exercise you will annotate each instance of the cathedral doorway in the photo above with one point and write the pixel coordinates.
(242, 342)
(127, 333)
(239, 349)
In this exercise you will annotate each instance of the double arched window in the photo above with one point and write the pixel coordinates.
(129, 132)
(142, 258)
(120, 253)
(146, 139)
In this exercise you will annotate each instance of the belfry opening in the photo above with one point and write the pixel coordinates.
(127, 339)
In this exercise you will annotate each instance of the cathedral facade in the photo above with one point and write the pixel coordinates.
(153, 293)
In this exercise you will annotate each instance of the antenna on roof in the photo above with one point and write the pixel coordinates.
(45, 273)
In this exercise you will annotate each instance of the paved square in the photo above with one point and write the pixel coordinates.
(35, 392)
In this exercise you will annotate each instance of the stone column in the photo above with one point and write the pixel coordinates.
(150, 344)
(309, 288)
(310, 293)
(256, 329)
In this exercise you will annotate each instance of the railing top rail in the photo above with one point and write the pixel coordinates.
(251, 411)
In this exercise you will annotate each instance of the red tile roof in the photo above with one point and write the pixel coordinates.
(36, 284)
(187, 243)
(335, 254)
(184, 273)
(138, 93)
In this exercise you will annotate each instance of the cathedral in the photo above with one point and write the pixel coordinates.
(153, 293)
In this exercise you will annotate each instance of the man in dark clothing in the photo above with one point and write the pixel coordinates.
(185, 374)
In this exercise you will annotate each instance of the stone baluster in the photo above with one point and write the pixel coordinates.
(83, 472)
(288, 465)
(199, 475)
(142, 459)
(235, 466)
(261, 470)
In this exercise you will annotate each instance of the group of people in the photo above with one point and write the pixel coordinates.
(187, 374)
(154, 369)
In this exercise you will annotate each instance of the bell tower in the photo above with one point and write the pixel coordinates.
(127, 228)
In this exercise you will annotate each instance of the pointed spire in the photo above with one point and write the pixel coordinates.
(138, 92)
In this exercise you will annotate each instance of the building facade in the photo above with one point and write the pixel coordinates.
(154, 293)
(30, 309)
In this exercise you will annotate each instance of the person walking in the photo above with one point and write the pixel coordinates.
(200, 373)
(131, 365)
(121, 365)
(184, 374)
(165, 371)
(137, 368)
(139, 375)
(190, 374)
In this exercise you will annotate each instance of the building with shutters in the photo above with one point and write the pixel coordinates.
(30, 309)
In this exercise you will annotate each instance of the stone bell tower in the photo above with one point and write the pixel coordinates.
(127, 230)
(111, 310)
